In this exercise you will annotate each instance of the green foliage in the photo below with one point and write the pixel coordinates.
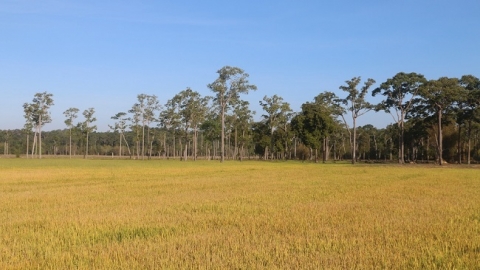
(231, 82)
(312, 124)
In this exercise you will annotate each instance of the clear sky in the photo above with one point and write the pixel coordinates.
(102, 53)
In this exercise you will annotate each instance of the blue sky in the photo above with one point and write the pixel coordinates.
(103, 53)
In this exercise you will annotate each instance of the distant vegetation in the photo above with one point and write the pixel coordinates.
(434, 121)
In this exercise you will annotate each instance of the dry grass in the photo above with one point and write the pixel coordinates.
(123, 214)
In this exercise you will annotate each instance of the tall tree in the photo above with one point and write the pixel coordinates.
(357, 105)
(243, 123)
(468, 111)
(211, 131)
(192, 108)
(86, 126)
(153, 105)
(135, 126)
(120, 126)
(170, 119)
(39, 114)
(71, 115)
(437, 98)
(327, 102)
(314, 123)
(231, 82)
(399, 93)
(29, 122)
(145, 111)
(277, 115)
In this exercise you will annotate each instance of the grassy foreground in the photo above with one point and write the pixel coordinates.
(124, 214)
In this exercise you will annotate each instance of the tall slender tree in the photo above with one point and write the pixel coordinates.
(144, 111)
(231, 82)
(120, 126)
(437, 98)
(170, 119)
(135, 126)
(243, 124)
(29, 122)
(400, 92)
(71, 115)
(86, 126)
(468, 111)
(327, 104)
(39, 113)
(277, 115)
(152, 106)
(192, 108)
(356, 103)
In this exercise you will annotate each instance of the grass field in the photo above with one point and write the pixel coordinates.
(124, 214)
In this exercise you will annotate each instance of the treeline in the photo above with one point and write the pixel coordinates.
(434, 121)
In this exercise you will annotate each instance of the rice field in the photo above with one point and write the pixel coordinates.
(160, 214)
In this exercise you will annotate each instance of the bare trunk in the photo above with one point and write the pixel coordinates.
(440, 139)
(34, 145)
(186, 152)
(354, 141)
(143, 141)
(194, 144)
(86, 149)
(28, 142)
(235, 151)
(401, 152)
(40, 137)
(70, 148)
(222, 159)
(469, 141)
(120, 150)
(459, 145)
(128, 148)
(174, 146)
(151, 148)
(165, 152)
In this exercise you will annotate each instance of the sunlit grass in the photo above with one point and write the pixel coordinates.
(128, 214)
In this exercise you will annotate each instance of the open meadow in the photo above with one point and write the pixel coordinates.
(130, 214)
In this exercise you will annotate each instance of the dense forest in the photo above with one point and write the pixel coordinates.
(433, 121)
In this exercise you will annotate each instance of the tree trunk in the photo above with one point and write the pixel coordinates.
(469, 142)
(222, 159)
(70, 148)
(120, 150)
(324, 149)
(186, 151)
(28, 142)
(235, 151)
(174, 145)
(354, 141)
(151, 148)
(195, 144)
(34, 145)
(40, 137)
(165, 149)
(440, 139)
(459, 144)
(401, 152)
(295, 148)
(86, 149)
(128, 147)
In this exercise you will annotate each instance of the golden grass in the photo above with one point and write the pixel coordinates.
(124, 214)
